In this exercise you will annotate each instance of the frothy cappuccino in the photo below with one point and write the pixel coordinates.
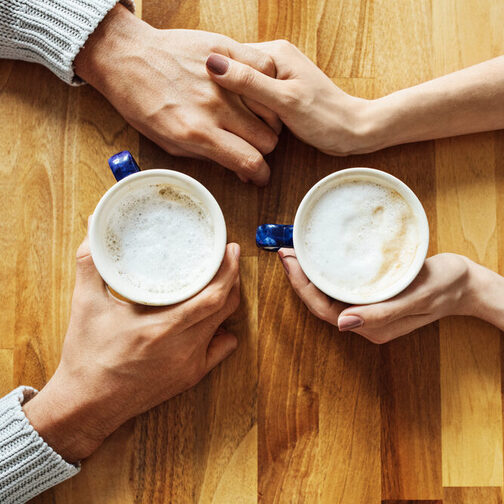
(160, 239)
(360, 236)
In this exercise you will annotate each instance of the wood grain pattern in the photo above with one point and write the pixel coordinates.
(468, 495)
(470, 366)
(300, 413)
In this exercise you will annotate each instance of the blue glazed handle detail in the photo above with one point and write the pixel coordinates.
(123, 164)
(272, 237)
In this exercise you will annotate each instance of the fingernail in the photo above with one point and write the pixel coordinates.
(217, 64)
(284, 263)
(349, 322)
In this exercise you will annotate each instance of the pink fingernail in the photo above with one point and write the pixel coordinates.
(217, 64)
(348, 322)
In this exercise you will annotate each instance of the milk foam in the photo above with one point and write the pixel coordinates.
(360, 236)
(160, 239)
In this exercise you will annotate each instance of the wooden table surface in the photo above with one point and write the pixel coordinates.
(300, 413)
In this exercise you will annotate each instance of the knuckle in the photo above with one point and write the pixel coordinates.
(284, 45)
(245, 77)
(376, 338)
(215, 299)
(290, 96)
(189, 132)
(319, 312)
(269, 142)
(267, 66)
(252, 164)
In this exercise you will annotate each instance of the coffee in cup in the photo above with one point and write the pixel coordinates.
(360, 235)
(157, 237)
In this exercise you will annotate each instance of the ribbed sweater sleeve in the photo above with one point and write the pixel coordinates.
(28, 466)
(50, 32)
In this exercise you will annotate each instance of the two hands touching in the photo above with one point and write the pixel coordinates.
(232, 112)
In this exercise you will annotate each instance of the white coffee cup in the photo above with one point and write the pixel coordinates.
(103, 260)
(273, 236)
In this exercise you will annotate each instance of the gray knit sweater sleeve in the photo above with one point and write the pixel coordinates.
(50, 32)
(28, 466)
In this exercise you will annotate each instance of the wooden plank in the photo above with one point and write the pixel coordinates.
(470, 367)
(288, 395)
(410, 409)
(345, 41)
(467, 495)
(410, 401)
(470, 371)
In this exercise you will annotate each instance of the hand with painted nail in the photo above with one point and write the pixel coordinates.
(120, 359)
(157, 80)
(448, 284)
(321, 114)
(305, 99)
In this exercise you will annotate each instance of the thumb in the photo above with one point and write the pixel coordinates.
(220, 346)
(244, 80)
(85, 271)
(372, 316)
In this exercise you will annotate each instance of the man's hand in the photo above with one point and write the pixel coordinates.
(120, 359)
(305, 99)
(157, 81)
(448, 284)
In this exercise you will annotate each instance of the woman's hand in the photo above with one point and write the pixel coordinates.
(120, 359)
(156, 79)
(448, 284)
(321, 114)
(305, 99)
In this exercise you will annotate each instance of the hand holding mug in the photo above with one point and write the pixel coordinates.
(120, 359)
(445, 286)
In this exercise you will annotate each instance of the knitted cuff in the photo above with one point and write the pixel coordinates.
(50, 33)
(28, 466)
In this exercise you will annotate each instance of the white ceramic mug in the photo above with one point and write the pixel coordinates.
(275, 236)
(129, 178)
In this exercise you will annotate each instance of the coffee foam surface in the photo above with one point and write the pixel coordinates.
(361, 236)
(160, 239)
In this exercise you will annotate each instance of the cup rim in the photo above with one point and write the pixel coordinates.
(421, 253)
(159, 299)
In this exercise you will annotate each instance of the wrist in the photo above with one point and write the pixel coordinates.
(115, 36)
(70, 422)
(369, 125)
(485, 295)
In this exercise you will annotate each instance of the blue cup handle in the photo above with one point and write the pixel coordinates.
(123, 164)
(272, 237)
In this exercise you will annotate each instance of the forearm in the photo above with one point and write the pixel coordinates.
(468, 101)
(486, 295)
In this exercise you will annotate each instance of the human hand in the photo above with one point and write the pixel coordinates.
(120, 359)
(156, 79)
(305, 99)
(445, 286)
